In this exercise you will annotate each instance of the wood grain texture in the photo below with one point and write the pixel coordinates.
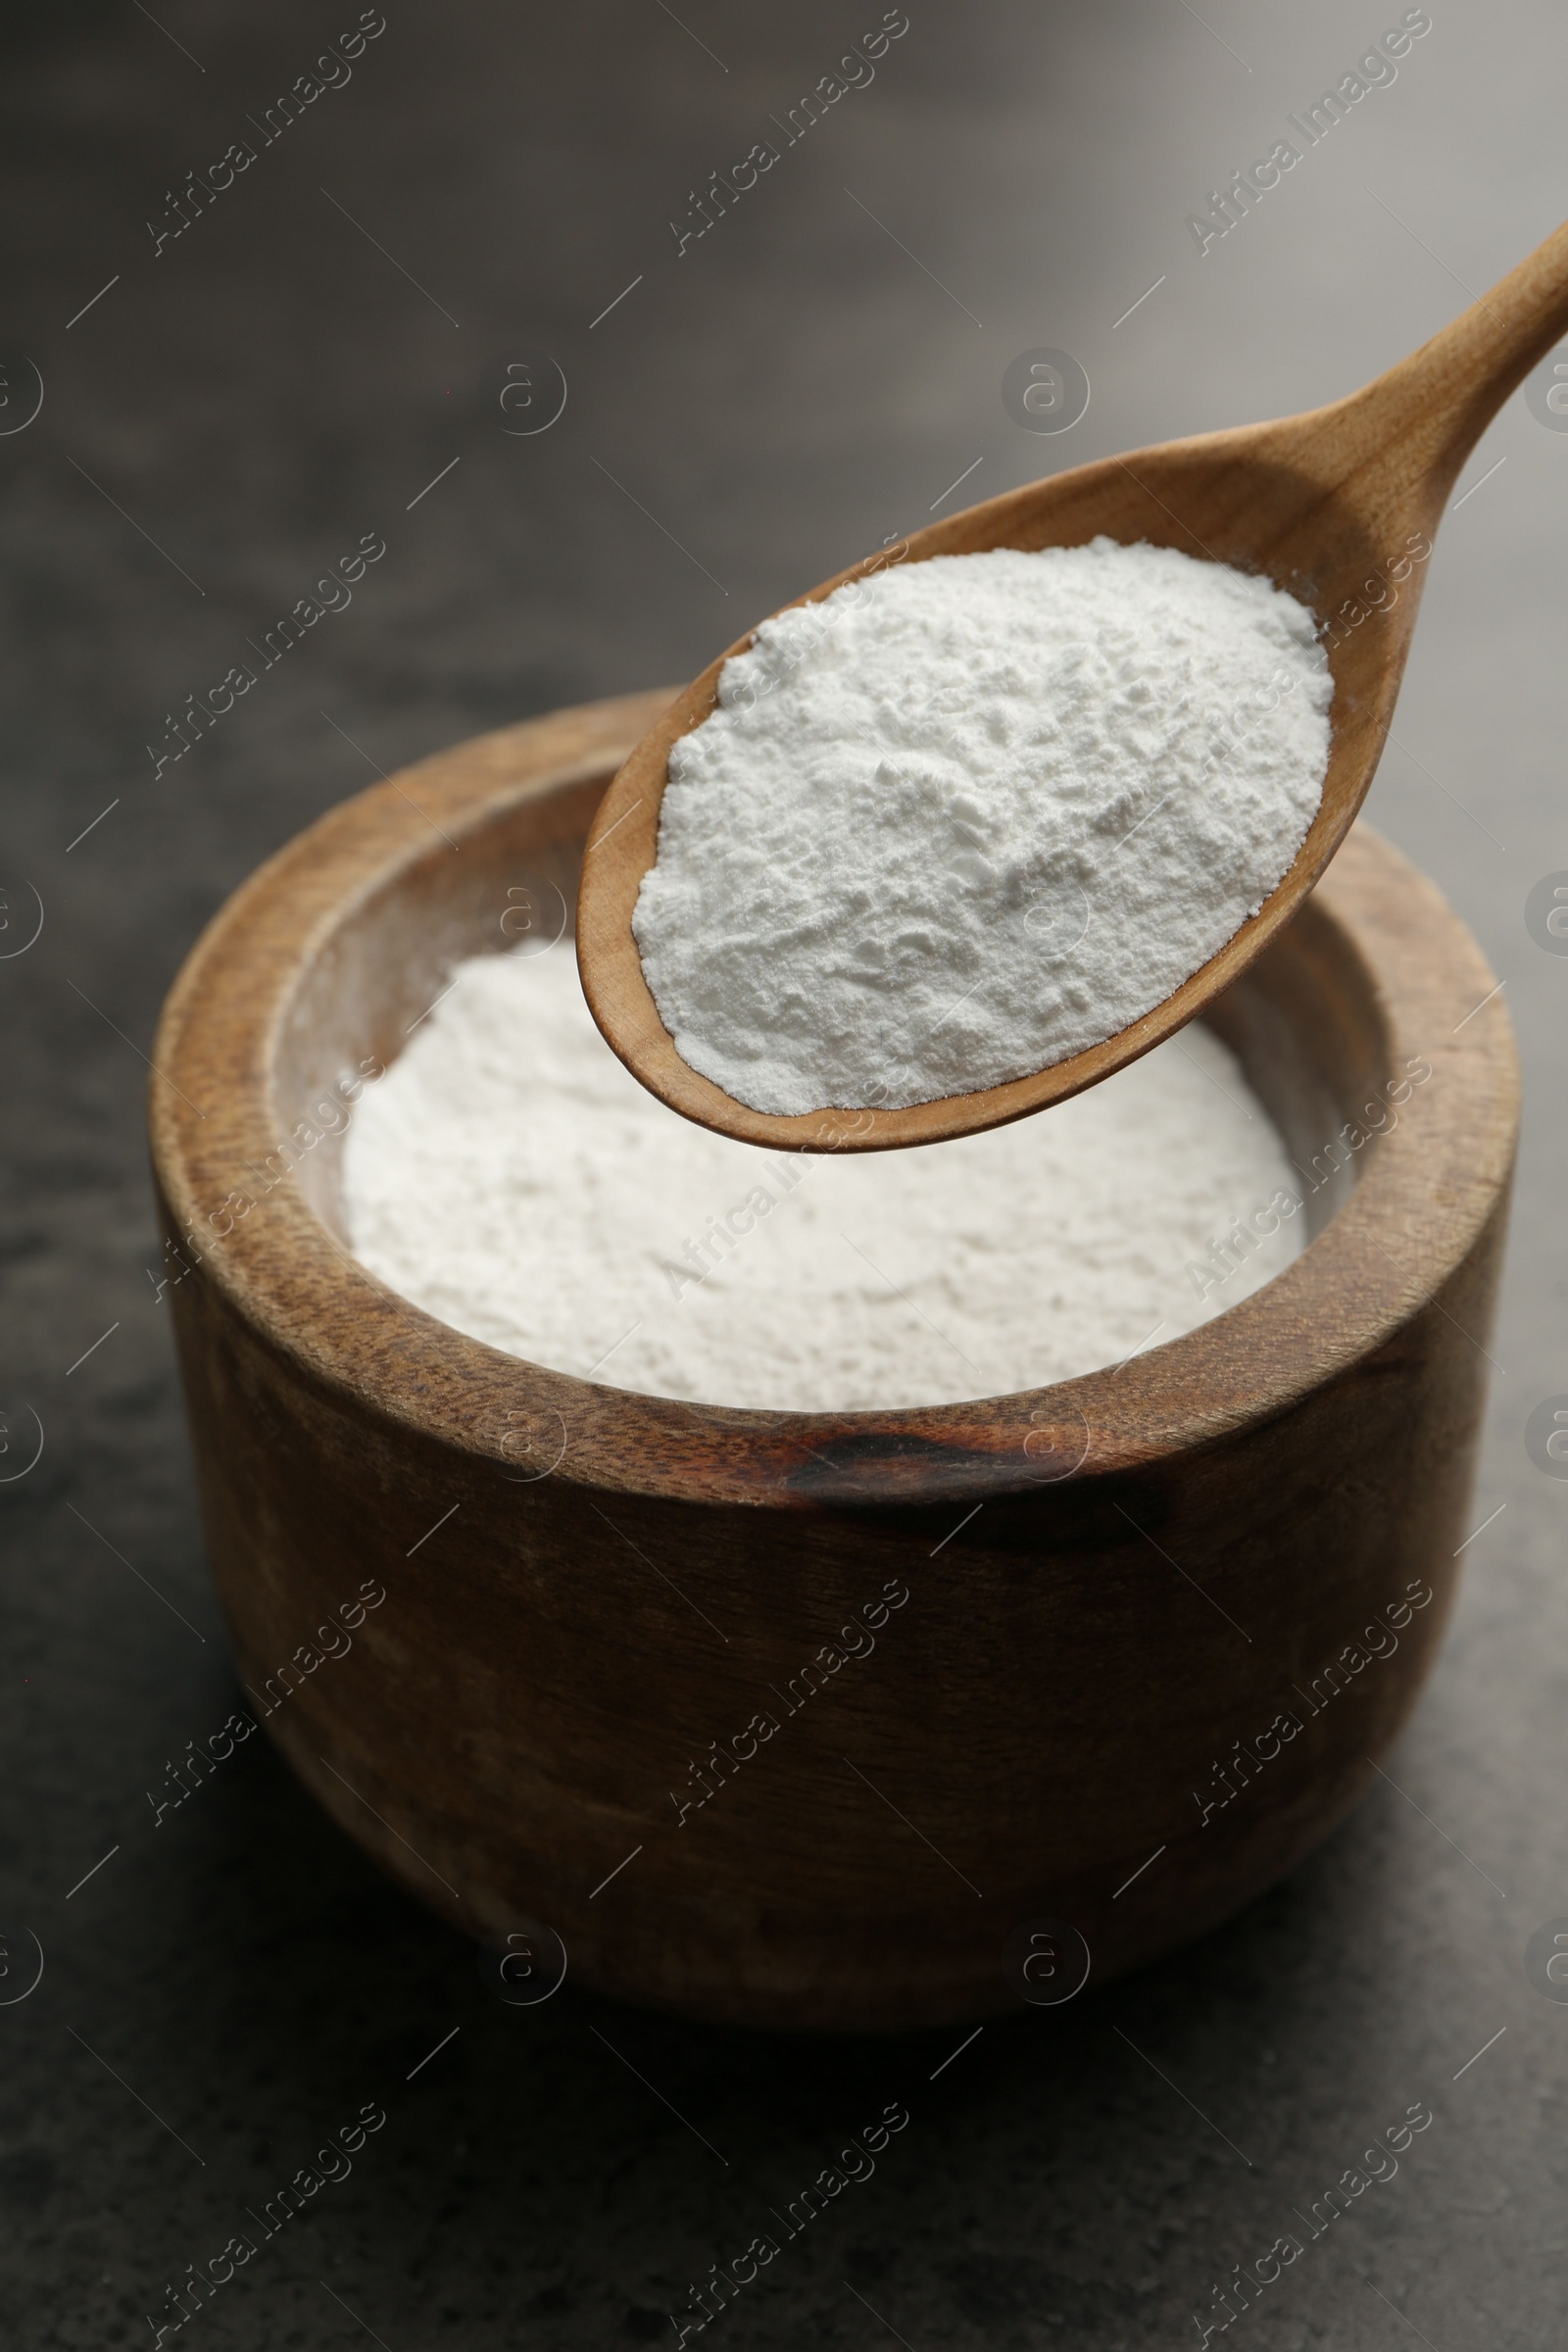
(1111, 1581)
(1330, 504)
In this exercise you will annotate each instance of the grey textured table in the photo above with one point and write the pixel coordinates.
(314, 356)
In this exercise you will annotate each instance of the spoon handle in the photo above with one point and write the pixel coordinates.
(1422, 418)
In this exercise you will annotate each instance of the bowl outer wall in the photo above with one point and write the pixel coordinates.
(1074, 1662)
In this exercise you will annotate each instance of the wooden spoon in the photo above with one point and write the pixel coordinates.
(1339, 505)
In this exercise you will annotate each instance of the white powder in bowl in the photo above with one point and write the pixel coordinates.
(972, 815)
(510, 1176)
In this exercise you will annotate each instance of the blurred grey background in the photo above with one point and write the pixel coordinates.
(226, 412)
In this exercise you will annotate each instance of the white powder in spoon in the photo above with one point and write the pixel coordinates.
(510, 1176)
(970, 816)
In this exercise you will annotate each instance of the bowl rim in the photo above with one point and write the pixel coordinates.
(1426, 1185)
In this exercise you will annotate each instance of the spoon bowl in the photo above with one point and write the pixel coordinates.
(1338, 504)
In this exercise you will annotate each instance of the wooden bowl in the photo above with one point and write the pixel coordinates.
(1124, 1646)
